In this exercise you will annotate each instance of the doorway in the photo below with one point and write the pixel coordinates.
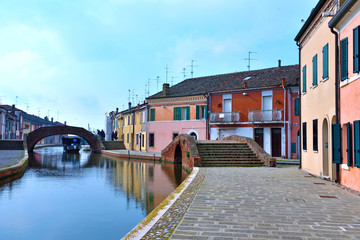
(276, 142)
(259, 136)
(325, 147)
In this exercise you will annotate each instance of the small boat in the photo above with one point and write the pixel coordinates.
(71, 144)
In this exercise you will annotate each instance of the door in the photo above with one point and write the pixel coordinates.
(276, 142)
(259, 136)
(325, 148)
(227, 110)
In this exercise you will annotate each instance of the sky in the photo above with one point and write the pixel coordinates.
(78, 60)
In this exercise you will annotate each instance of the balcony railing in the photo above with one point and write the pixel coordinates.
(265, 116)
(225, 117)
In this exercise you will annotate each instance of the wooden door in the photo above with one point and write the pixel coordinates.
(259, 136)
(276, 142)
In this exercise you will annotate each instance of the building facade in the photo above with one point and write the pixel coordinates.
(346, 24)
(317, 90)
(262, 108)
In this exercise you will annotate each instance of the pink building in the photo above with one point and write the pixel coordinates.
(181, 109)
(346, 24)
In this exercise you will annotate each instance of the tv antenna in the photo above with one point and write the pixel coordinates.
(184, 72)
(249, 59)
(192, 68)
(129, 95)
(172, 80)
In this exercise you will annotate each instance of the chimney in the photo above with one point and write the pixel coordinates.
(117, 110)
(245, 84)
(165, 88)
(129, 105)
(52, 119)
(283, 81)
(279, 63)
(13, 109)
(65, 123)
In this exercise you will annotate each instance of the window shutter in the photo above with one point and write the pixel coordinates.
(197, 112)
(187, 113)
(315, 70)
(176, 113)
(357, 143)
(304, 136)
(206, 111)
(326, 61)
(344, 58)
(297, 110)
(356, 62)
(336, 142)
(349, 144)
(152, 114)
(304, 79)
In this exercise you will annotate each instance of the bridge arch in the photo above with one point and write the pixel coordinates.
(40, 133)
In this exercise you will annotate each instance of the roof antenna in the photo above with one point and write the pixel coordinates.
(184, 72)
(249, 59)
(192, 68)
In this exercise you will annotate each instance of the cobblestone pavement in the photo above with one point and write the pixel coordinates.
(269, 203)
(10, 157)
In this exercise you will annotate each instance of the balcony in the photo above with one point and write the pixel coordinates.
(229, 117)
(265, 116)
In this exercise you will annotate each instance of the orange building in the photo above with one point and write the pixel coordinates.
(261, 105)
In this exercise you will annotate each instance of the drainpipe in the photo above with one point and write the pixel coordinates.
(207, 117)
(300, 124)
(337, 93)
(289, 124)
(283, 87)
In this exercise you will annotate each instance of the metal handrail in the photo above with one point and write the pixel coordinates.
(265, 115)
(225, 117)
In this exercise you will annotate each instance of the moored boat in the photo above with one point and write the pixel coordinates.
(71, 144)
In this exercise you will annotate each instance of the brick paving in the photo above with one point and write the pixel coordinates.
(10, 157)
(269, 203)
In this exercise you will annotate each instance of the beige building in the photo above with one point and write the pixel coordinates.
(317, 87)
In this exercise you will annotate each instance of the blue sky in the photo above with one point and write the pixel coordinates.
(77, 60)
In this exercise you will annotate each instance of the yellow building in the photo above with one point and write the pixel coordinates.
(140, 128)
(317, 87)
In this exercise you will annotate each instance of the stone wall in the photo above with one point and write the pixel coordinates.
(189, 152)
(259, 151)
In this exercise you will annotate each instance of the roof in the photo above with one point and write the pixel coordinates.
(262, 78)
(312, 16)
(341, 13)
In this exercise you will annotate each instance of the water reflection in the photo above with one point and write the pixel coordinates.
(107, 195)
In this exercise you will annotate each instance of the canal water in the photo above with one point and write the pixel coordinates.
(82, 196)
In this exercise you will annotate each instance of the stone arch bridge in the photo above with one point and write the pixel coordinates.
(40, 133)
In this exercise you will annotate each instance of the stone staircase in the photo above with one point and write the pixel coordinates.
(227, 154)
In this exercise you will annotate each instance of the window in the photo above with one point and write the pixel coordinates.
(356, 143)
(152, 114)
(349, 143)
(128, 120)
(143, 117)
(122, 137)
(137, 139)
(175, 135)
(304, 79)
(304, 136)
(315, 72)
(344, 58)
(151, 139)
(326, 61)
(143, 140)
(127, 138)
(297, 107)
(356, 46)
(315, 135)
(182, 113)
(201, 112)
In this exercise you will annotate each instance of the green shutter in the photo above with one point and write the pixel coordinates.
(197, 112)
(293, 147)
(326, 61)
(297, 109)
(174, 113)
(344, 58)
(187, 113)
(304, 79)
(336, 142)
(356, 63)
(349, 144)
(152, 114)
(315, 70)
(206, 111)
(177, 113)
(357, 143)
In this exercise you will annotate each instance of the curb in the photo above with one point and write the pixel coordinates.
(16, 169)
(150, 220)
